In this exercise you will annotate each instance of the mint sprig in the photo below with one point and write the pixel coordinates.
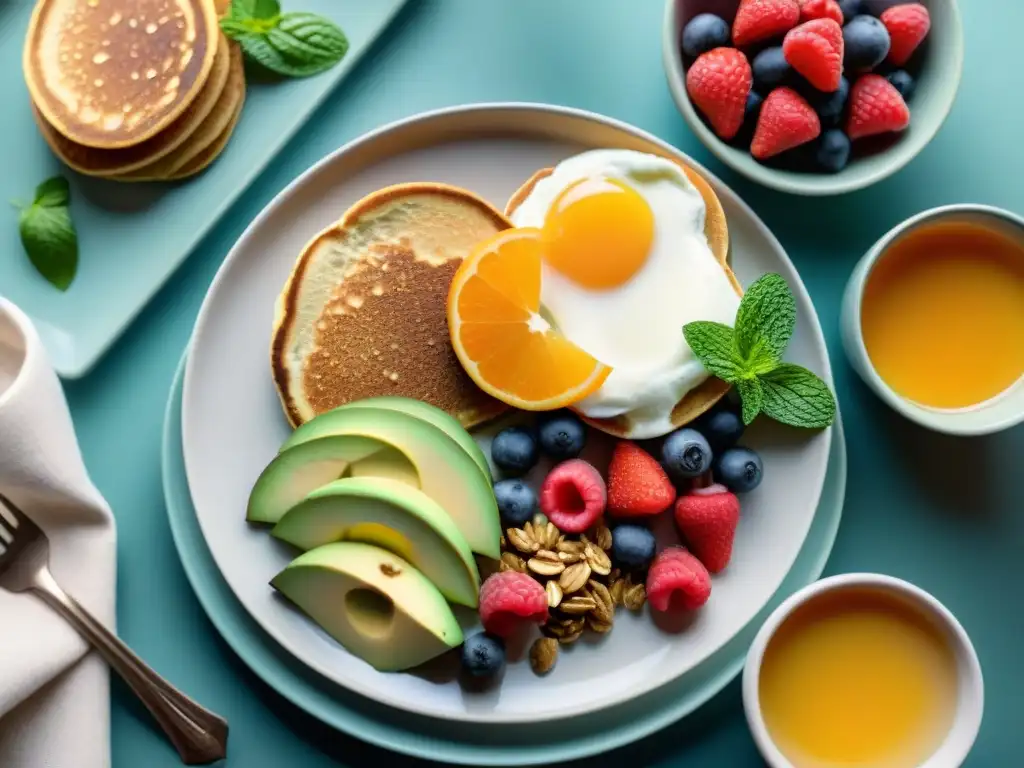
(48, 234)
(749, 356)
(288, 44)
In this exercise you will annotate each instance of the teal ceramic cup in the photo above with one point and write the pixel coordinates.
(999, 413)
(940, 67)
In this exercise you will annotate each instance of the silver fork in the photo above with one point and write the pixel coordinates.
(200, 736)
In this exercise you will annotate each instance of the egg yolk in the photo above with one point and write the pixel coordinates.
(598, 233)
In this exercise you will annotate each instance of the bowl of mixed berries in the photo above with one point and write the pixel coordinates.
(814, 97)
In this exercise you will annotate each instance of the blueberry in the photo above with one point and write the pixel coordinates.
(483, 655)
(514, 450)
(751, 112)
(903, 82)
(516, 502)
(739, 469)
(722, 427)
(851, 8)
(562, 436)
(832, 152)
(866, 41)
(703, 33)
(753, 108)
(770, 68)
(686, 453)
(830, 106)
(633, 547)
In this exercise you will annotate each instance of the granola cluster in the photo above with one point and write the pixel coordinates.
(582, 587)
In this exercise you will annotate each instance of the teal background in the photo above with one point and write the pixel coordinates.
(947, 514)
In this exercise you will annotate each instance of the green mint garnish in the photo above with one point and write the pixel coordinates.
(48, 234)
(749, 356)
(289, 44)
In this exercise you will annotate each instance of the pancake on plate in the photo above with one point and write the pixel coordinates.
(113, 74)
(702, 397)
(206, 142)
(114, 162)
(363, 312)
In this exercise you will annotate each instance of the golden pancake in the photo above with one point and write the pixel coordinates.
(363, 312)
(207, 135)
(113, 162)
(716, 229)
(205, 158)
(114, 73)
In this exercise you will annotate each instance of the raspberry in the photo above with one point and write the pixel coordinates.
(675, 572)
(821, 9)
(758, 20)
(637, 485)
(786, 121)
(510, 598)
(875, 107)
(707, 519)
(573, 496)
(908, 26)
(718, 83)
(815, 50)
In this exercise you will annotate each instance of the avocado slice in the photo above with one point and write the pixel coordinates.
(446, 473)
(305, 470)
(373, 602)
(421, 410)
(388, 463)
(391, 515)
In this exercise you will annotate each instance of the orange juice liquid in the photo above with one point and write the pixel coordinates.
(858, 678)
(942, 315)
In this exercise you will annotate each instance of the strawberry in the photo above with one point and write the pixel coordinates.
(908, 26)
(786, 121)
(637, 485)
(875, 107)
(758, 20)
(815, 50)
(821, 9)
(718, 83)
(707, 519)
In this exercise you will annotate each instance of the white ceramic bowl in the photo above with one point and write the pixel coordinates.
(999, 413)
(958, 742)
(938, 78)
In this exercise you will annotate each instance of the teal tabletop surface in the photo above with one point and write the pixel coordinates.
(945, 513)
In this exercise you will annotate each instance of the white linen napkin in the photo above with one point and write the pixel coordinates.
(54, 693)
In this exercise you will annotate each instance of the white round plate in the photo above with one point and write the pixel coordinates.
(232, 424)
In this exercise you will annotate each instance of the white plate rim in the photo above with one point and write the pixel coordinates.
(468, 110)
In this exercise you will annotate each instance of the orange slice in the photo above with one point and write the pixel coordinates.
(499, 336)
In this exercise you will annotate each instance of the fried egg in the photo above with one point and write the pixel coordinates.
(625, 266)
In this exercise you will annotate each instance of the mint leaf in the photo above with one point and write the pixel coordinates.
(49, 238)
(752, 397)
(309, 42)
(238, 29)
(795, 396)
(255, 9)
(53, 193)
(292, 45)
(714, 344)
(765, 321)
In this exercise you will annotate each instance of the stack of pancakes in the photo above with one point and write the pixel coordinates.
(133, 90)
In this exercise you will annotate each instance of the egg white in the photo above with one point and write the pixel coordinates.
(636, 328)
